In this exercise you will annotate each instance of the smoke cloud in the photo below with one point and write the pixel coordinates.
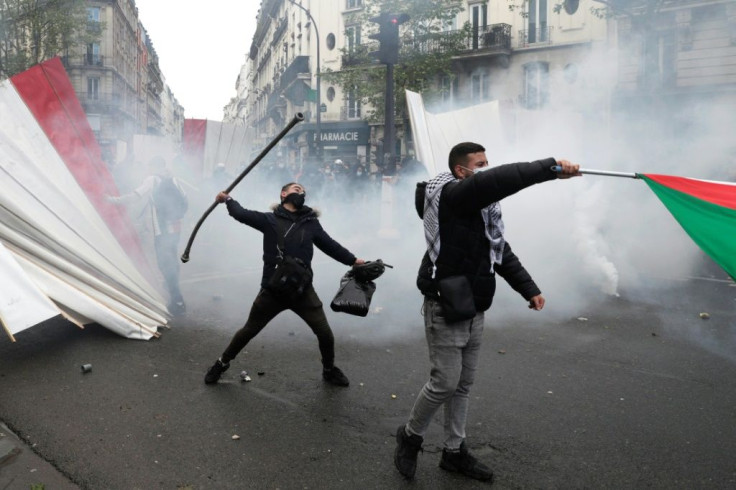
(583, 240)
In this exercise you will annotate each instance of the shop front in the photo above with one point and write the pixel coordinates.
(344, 140)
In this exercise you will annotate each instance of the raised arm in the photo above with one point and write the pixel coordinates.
(254, 219)
(480, 190)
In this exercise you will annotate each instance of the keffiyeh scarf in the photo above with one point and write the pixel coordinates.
(491, 218)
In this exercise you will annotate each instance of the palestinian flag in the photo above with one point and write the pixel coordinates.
(705, 209)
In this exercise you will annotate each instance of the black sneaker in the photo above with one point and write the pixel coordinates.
(177, 308)
(465, 463)
(335, 376)
(214, 373)
(407, 447)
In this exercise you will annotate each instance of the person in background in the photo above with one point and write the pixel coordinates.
(300, 230)
(166, 204)
(220, 178)
(465, 250)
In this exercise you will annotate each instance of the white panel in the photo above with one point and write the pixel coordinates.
(47, 218)
(436, 134)
(22, 304)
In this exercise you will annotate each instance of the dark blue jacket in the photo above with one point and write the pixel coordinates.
(464, 248)
(305, 232)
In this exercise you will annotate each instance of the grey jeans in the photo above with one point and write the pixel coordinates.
(453, 355)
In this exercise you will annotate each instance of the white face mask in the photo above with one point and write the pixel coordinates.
(477, 170)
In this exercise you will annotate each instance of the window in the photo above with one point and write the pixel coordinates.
(353, 104)
(330, 41)
(708, 13)
(536, 85)
(537, 30)
(93, 54)
(658, 65)
(93, 14)
(93, 88)
(449, 24)
(353, 4)
(352, 37)
(331, 93)
(479, 19)
(448, 90)
(571, 6)
(479, 87)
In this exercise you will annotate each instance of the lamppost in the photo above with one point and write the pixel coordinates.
(319, 88)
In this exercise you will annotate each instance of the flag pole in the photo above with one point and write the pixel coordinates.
(630, 175)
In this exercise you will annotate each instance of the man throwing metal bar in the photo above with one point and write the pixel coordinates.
(289, 234)
(465, 249)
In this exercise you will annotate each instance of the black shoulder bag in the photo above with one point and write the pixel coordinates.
(292, 276)
(456, 298)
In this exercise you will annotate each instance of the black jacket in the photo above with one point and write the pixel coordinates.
(464, 248)
(306, 232)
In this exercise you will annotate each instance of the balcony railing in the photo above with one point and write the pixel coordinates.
(94, 26)
(492, 39)
(350, 112)
(299, 65)
(93, 59)
(280, 29)
(83, 60)
(275, 101)
(488, 39)
(535, 35)
(109, 104)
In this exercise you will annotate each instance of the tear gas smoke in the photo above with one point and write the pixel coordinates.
(582, 240)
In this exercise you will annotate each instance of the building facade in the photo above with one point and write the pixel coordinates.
(530, 55)
(294, 43)
(675, 60)
(118, 80)
(510, 55)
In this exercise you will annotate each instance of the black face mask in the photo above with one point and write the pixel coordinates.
(297, 200)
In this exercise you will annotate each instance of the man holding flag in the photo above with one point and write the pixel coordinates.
(465, 249)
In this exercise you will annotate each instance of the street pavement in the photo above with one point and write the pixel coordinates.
(632, 392)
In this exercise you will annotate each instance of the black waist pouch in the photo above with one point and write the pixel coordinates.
(456, 298)
(291, 278)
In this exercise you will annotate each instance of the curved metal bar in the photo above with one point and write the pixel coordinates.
(297, 119)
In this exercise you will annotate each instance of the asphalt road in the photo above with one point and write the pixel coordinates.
(627, 394)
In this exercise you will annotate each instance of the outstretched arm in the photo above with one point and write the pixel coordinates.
(328, 245)
(144, 189)
(254, 219)
(492, 185)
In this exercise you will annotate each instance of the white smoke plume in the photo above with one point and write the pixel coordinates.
(582, 240)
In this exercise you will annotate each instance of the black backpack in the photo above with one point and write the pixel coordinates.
(170, 201)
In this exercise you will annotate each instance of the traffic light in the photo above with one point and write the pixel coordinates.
(388, 37)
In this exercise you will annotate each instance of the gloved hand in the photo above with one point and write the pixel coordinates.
(369, 271)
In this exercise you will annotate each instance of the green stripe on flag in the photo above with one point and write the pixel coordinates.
(711, 226)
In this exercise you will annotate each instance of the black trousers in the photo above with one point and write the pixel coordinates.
(168, 263)
(266, 306)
